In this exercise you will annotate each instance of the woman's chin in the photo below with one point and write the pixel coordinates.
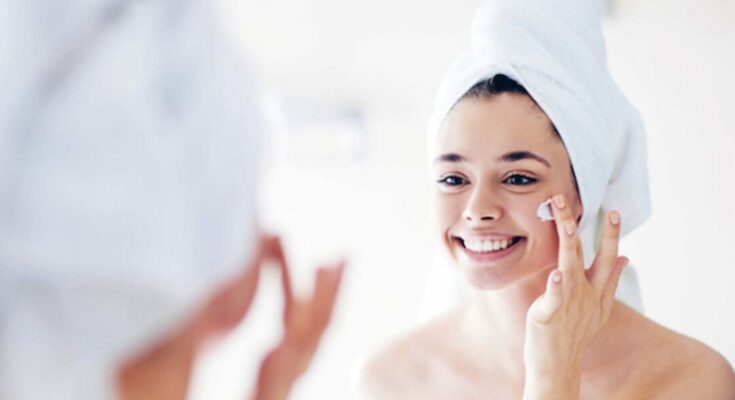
(488, 278)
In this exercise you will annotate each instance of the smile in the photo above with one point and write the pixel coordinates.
(487, 246)
(485, 250)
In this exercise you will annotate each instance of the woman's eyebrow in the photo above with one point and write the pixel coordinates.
(450, 157)
(523, 155)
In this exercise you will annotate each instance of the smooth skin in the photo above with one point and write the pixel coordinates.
(538, 325)
(163, 371)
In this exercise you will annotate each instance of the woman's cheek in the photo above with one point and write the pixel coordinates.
(445, 213)
(448, 208)
(543, 239)
(547, 249)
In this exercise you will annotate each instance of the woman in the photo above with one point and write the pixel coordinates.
(532, 114)
(130, 144)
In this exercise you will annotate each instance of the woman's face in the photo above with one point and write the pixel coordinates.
(496, 159)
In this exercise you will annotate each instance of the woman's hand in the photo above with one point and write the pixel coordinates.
(163, 371)
(562, 322)
(304, 322)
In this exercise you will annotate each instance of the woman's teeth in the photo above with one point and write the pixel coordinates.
(485, 246)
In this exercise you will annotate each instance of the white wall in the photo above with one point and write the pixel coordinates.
(673, 58)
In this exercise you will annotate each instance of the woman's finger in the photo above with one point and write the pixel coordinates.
(325, 293)
(607, 257)
(571, 262)
(611, 286)
(546, 306)
(276, 251)
(226, 307)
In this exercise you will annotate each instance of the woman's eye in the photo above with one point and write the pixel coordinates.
(519, 180)
(452, 180)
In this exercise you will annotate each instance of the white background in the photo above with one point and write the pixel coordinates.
(383, 58)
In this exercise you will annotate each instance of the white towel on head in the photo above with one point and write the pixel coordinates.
(555, 49)
(130, 146)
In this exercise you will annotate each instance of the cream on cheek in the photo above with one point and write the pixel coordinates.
(541, 239)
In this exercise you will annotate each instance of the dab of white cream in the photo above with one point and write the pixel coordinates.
(544, 212)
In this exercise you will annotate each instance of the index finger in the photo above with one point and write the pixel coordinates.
(325, 293)
(571, 261)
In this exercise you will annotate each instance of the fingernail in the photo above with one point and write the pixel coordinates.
(559, 201)
(556, 276)
(615, 218)
(569, 227)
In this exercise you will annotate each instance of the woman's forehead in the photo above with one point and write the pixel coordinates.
(500, 124)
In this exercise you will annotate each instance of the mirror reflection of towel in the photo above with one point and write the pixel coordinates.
(129, 147)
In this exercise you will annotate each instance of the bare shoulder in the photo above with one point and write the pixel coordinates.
(402, 368)
(387, 373)
(670, 365)
(699, 372)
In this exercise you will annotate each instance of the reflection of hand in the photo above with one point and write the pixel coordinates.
(163, 371)
(562, 322)
(304, 322)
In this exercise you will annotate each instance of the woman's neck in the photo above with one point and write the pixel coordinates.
(494, 326)
(495, 323)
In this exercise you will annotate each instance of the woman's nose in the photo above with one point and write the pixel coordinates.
(482, 206)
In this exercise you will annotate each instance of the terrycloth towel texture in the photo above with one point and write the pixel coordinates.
(129, 148)
(555, 49)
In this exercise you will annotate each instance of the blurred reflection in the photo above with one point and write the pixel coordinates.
(129, 144)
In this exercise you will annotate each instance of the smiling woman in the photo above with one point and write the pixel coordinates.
(507, 161)
(537, 325)
(513, 126)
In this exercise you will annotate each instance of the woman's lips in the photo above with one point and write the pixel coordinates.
(489, 256)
